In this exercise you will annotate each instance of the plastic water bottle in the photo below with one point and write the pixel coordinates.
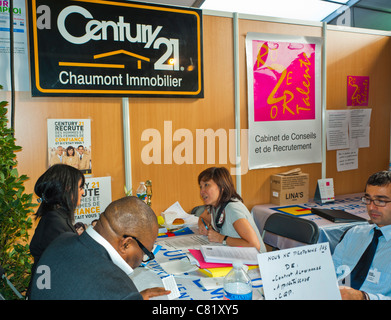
(142, 192)
(237, 284)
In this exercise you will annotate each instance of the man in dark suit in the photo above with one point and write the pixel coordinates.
(97, 264)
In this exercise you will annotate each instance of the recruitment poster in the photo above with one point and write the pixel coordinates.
(284, 100)
(114, 48)
(69, 142)
(96, 197)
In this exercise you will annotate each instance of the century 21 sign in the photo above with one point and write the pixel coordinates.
(114, 48)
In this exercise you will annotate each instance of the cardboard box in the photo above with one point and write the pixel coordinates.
(289, 187)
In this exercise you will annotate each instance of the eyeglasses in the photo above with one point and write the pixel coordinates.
(149, 254)
(376, 202)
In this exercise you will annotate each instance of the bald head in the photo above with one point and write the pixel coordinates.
(127, 216)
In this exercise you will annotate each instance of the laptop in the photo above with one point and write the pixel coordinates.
(337, 216)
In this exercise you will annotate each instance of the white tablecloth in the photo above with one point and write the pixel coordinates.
(328, 231)
(189, 284)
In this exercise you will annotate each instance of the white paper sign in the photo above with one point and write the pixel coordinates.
(324, 191)
(301, 273)
(21, 51)
(337, 129)
(347, 159)
(359, 127)
(96, 197)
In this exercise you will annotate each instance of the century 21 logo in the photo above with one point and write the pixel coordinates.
(98, 31)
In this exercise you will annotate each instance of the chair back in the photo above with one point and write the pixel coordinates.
(292, 227)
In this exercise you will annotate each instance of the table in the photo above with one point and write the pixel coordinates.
(328, 231)
(189, 284)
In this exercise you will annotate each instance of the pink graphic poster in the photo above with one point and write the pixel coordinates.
(358, 90)
(284, 80)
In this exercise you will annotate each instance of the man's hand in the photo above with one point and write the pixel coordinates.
(154, 292)
(348, 293)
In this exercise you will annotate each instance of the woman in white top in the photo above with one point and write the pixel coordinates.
(226, 219)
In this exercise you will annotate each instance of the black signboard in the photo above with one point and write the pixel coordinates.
(114, 48)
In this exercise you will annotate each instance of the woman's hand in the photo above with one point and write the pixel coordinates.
(202, 229)
(204, 223)
(214, 236)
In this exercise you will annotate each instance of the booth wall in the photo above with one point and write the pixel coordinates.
(176, 120)
(360, 55)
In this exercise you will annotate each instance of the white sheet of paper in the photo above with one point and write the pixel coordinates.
(300, 273)
(337, 129)
(347, 159)
(184, 243)
(169, 283)
(359, 127)
(176, 207)
(359, 137)
(225, 254)
(176, 211)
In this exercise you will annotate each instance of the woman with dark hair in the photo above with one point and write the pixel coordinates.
(226, 219)
(59, 190)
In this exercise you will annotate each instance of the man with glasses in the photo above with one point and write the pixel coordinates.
(365, 250)
(97, 264)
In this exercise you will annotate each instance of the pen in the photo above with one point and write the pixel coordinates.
(206, 227)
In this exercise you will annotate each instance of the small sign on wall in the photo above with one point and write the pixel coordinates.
(358, 91)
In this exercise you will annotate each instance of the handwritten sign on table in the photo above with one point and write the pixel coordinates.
(301, 273)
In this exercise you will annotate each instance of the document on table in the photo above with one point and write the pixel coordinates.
(223, 254)
(194, 241)
(169, 283)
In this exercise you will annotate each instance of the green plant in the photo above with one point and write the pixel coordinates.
(15, 209)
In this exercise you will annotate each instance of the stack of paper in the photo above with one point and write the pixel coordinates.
(223, 254)
(221, 266)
